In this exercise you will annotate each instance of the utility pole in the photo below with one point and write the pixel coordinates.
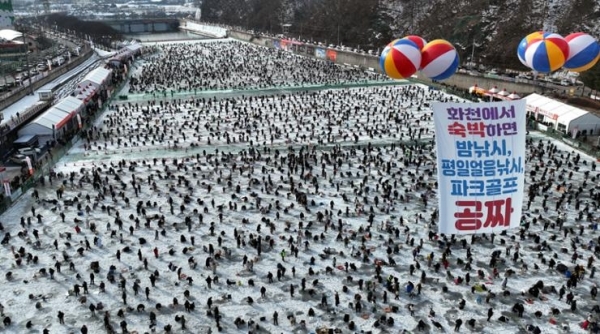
(27, 61)
(473, 54)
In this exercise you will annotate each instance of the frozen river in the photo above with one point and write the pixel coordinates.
(290, 213)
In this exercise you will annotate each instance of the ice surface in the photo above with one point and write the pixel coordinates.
(349, 177)
(236, 65)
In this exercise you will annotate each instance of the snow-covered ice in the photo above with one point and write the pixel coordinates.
(370, 201)
(232, 64)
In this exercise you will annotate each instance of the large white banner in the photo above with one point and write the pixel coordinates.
(481, 165)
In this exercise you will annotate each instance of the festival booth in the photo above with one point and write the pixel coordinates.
(85, 93)
(477, 90)
(99, 77)
(562, 117)
(501, 95)
(513, 96)
(92, 83)
(54, 122)
(121, 57)
(135, 49)
(579, 122)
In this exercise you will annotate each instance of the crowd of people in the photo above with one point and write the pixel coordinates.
(236, 65)
(357, 115)
(337, 233)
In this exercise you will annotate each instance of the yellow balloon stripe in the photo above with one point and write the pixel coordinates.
(390, 66)
(434, 43)
(587, 66)
(556, 58)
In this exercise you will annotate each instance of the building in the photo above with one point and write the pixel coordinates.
(12, 39)
(562, 117)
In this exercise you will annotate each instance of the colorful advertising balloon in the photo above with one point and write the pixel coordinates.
(584, 52)
(525, 43)
(400, 59)
(547, 54)
(439, 60)
(420, 41)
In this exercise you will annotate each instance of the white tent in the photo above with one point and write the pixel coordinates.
(545, 108)
(53, 119)
(98, 76)
(85, 94)
(69, 104)
(563, 117)
(11, 35)
(134, 48)
(514, 96)
(579, 120)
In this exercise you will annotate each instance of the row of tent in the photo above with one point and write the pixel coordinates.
(124, 54)
(495, 93)
(56, 120)
(561, 116)
(554, 114)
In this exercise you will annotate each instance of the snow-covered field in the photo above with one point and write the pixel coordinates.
(365, 221)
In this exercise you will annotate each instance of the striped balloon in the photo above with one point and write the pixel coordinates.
(584, 52)
(440, 60)
(547, 54)
(420, 41)
(388, 48)
(538, 35)
(400, 59)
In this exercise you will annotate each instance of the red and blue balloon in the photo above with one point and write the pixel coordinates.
(547, 52)
(402, 58)
(584, 52)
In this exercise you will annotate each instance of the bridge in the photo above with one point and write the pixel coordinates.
(143, 25)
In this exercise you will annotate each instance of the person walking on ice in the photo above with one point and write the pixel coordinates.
(283, 255)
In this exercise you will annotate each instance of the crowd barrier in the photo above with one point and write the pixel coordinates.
(577, 143)
(177, 94)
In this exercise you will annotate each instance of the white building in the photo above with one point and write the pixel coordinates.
(9, 36)
(562, 117)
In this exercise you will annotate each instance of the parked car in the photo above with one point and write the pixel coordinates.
(19, 159)
(42, 67)
(22, 77)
